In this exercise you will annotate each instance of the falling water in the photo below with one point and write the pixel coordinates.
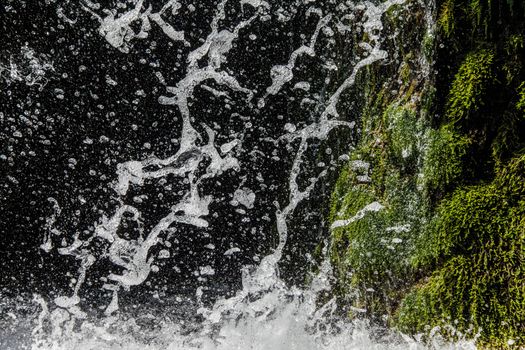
(236, 146)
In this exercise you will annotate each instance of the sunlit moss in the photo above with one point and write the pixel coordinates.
(470, 85)
(370, 255)
(444, 156)
(521, 102)
(478, 240)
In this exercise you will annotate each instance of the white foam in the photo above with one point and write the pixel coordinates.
(282, 74)
(244, 196)
(118, 32)
(27, 67)
(372, 207)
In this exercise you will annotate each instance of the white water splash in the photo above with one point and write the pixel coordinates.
(282, 74)
(262, 316)
(265, 313)
(117, 29)
(372, 207)
(28, 67)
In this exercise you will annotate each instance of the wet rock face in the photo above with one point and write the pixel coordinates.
(151, 145)
(434, 155)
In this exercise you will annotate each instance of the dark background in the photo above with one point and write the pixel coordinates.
(44, 127)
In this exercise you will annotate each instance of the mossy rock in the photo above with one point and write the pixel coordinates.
(371, 255)
(435, 150)
(403, 134)
(444, 154)
(477, 241)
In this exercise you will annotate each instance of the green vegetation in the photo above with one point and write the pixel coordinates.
(444, 157)
(367, 251)
(446, 19)
(521, 103)
(470, 85)
(402, 135)
(477, 241)
(474, 18)
(446, 160)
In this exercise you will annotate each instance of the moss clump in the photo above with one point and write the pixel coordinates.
(520, 106)
(509, 138)
(368, 252)
(371, 254)
(403, 134)
(446, 19)
(443, 160)
(346, 199)
(477, 241)
(470, 85)
(473, 18)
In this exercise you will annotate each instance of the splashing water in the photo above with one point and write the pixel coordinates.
(258, 317)
(265, 313)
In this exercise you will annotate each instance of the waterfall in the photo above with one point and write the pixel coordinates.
(255, 93)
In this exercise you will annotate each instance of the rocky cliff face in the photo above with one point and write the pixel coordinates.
(435, 186)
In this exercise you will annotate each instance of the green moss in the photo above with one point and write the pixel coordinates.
(476, 12)
(520, 106)
(405, 72)
(428, 45)
(478, 241)
(509, 137)
(449, 242)
(446, 19)
(417, 310)
(473, 17)
(470, 85)
(514, 44)
(347, 198)
(443, 161)
(513, 65)
(443, 158)
(402, 135)
(372, 254)
(368, 252)
(428, 101)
